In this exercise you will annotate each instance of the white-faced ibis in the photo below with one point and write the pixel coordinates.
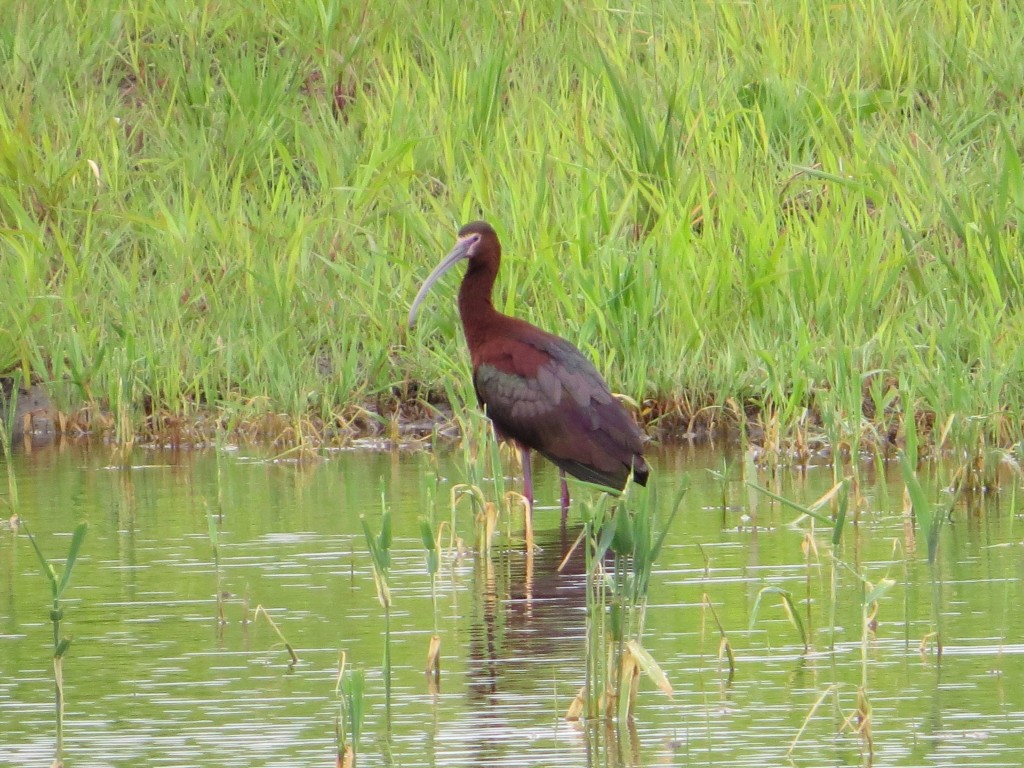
(537, 388)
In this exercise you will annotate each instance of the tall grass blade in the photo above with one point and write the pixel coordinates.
(649, 666)
(49, 572)
(790, 608)
(261, 611)
(840, 521)
(69, 564)
(928, 521)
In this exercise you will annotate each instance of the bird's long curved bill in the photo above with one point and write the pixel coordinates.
(458, 253)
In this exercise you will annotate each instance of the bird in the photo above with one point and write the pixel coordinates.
(539, 391)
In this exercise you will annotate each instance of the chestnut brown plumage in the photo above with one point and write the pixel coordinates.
(537, 388)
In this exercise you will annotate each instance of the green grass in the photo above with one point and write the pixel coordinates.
(732, 207)
(621, 545)
(59, 581)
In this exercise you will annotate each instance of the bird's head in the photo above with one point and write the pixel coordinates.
(475, 239)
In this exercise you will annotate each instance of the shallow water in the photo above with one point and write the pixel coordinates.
(154, 677)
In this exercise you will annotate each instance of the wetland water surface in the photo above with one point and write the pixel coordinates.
(154, 677)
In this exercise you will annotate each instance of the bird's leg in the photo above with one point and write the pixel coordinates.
(524, 455)
(565, 495)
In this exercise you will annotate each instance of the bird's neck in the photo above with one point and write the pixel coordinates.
(476, 309)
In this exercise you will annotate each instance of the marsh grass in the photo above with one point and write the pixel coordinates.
(213, 532)
(214, 218)
(348, 689)
(379, 546)
(621, 544)
(788, 603)
(261, 611)
(7, 447)
(860, 718)
(58, 582)
(724, 646)
(930, 500)
(431, 534)
(928, 517)
(484, 459)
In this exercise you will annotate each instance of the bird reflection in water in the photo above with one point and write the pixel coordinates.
(529, 622)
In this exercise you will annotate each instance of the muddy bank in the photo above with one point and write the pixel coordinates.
(398, 419)
(27, 411)
(387, 420)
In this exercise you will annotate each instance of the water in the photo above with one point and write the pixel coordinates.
(154, 677)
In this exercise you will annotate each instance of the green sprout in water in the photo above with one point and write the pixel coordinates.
(617, 603)
(837, 497)
(349, 690)
(928, 517)
(260, 610)
(789, 605)
(380, 554)
(7, 446)
(59, 583)
(431, 544)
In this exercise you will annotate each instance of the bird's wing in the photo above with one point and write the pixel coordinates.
(540, 390)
